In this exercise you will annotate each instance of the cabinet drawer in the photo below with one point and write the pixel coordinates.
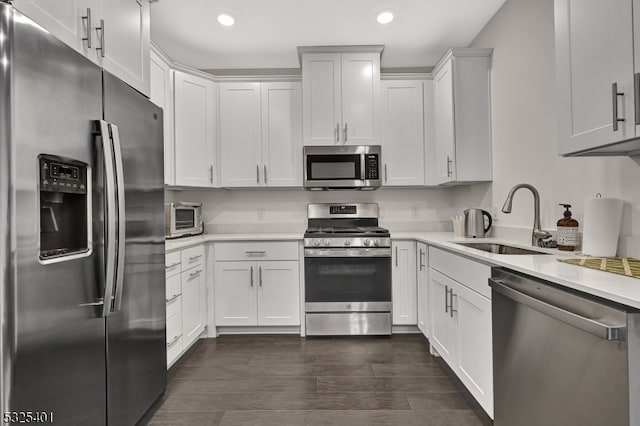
(192, 257)
(174, 306)
(256, 251)
(174, 337)
(172, 263)
(173, 287)
(466, 271)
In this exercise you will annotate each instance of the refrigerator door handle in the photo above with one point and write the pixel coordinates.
(110, 215)
(121, 234)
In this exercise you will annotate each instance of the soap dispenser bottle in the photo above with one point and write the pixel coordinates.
(567, 231)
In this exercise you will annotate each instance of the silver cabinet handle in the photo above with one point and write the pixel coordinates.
(346, 132)
(592, 326)
(255, 252)
(257, 174)
(211, 173)
(265, 173)
(636, 89)
(449, 164)
(422, 265)
(337, 132)
(87, 19)
(446, 299)
(193, 274)
(174, 340)
(451, 310)
(396, 255)
(192, 258)
(260, 275)
(101, 29)
(174, 297)
(172, 266)
(386, 174)
(614, 99)
(251, 276)
(97, 303)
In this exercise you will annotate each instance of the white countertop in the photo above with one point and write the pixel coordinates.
(617, 288)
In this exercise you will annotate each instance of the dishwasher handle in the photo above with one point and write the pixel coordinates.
(597, 328)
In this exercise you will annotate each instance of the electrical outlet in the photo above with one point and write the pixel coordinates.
(414, 212)
(260, 215)
(494, 213)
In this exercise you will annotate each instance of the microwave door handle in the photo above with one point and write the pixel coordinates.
(109, 214)
(363, 164)
(121, 234)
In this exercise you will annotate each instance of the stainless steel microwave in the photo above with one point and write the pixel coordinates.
(183, 219)
(342, 167)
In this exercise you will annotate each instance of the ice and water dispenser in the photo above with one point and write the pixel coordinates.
(64, 208)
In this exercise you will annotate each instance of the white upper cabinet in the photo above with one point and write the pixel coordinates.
(194, 104)
(240, 135)
(595, 72)
(115, 34)
(282, 134)
(161, 94)
(402, 133)
(341, 97)
(260, 134)
(462, 117)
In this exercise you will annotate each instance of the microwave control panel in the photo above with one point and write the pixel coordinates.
(372, 167)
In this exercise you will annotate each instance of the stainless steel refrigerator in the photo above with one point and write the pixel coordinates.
(82, 304)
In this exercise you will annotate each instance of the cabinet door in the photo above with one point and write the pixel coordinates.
(193, 318)
(594, 49)
(160, 93)
(235, 293)
(278, 293)
(402, 133)
(194, 130)
(443, 326)
(321, 95)
(65, 19)
(282, 134)
(474, 345)
(403, 282)
(443, 124)
(423, 288)
(240, 135)
(124, 40)
(361, 98)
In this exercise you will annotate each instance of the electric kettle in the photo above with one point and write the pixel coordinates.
(474, 223)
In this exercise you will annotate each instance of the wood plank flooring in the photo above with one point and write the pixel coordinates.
(289, 380)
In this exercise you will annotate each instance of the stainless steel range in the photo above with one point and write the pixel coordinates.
(347, 259)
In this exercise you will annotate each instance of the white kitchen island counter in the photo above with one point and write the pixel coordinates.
(617, 288)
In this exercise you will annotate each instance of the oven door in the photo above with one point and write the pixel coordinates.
(349, 283)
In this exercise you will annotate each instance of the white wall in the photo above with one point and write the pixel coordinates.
(524, 131)
(285, 210)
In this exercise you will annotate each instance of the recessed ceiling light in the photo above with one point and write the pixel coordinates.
(226, 19)
(385, 17)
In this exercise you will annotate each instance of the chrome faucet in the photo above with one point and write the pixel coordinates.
(537, 234)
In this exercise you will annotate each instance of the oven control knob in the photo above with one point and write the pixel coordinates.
(376, 242)
(327, 242)
(367, 242)
(316, 243)
(347, 242)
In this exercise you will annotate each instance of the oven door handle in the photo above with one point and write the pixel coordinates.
(347, 252)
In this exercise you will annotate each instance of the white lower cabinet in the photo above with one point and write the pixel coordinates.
(186, 294)
(422, 270)
(257, 292)
(460, 309)
(403, 283)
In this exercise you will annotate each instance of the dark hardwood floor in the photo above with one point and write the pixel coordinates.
(289, 380)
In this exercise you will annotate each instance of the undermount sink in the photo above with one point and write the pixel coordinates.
(500, 248)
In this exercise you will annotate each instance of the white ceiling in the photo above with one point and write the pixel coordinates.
(267, 31)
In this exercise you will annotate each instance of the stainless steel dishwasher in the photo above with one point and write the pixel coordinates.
(562, 358)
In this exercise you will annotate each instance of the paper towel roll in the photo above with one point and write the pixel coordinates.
(602, 219)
